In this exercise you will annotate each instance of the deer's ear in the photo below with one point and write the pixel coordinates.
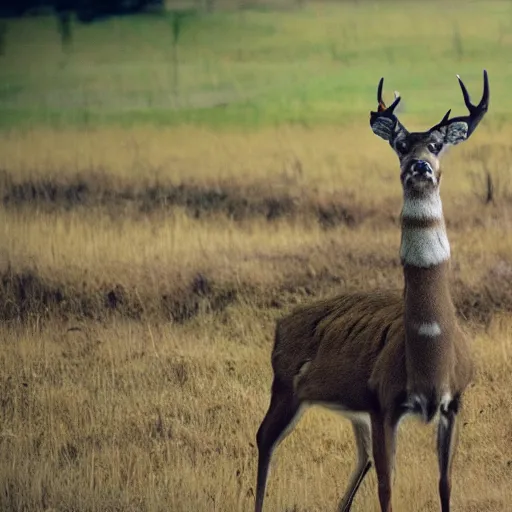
(387, 128)
(384, 127)
(454, 133)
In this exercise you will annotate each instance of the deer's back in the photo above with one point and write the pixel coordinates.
(349, 328)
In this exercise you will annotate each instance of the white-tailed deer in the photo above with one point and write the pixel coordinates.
(378, 356)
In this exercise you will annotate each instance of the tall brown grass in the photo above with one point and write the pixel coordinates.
(134, 368)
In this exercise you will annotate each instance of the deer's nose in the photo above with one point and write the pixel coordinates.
(421, 167)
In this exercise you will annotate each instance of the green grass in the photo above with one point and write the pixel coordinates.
(319, 64)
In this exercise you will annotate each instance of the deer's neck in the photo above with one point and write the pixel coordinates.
(425, 256)
(428, 308)
(424, 240)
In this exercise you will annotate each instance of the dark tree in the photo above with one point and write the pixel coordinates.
(85, 10)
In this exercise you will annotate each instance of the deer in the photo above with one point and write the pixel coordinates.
(379, 356)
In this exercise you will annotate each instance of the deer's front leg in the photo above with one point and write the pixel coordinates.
(383, 441)
(446, 443)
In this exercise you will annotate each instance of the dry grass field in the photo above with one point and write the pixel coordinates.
(142, 266)
(139, 308)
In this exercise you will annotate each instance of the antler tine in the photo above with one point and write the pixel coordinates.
(467, 99)
(485, 94)
(382, 106)
(446, 117)
(393, 105)
(465, 94)
(380, 101)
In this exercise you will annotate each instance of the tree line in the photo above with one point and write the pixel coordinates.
(85, 10)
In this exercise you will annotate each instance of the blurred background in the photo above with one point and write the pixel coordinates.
(174, 176)
(250, 63)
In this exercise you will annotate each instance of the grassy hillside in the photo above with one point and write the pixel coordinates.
(153, 232)
(318, 64)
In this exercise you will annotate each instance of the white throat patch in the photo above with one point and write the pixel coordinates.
(424, 247)
(429, 207)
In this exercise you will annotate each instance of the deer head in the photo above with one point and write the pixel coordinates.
(420, 152)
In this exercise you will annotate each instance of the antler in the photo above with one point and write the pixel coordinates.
(382, 110)
(476, 112)
(384, 122)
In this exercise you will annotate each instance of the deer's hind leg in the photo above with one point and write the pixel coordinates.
(363, 435)
(281, 416)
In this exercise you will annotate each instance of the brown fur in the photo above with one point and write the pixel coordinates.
(344, 338)
(412, 223)
(442, 364)
(356, 346)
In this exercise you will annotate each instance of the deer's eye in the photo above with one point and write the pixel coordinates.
(402, 146)
(435, 147)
